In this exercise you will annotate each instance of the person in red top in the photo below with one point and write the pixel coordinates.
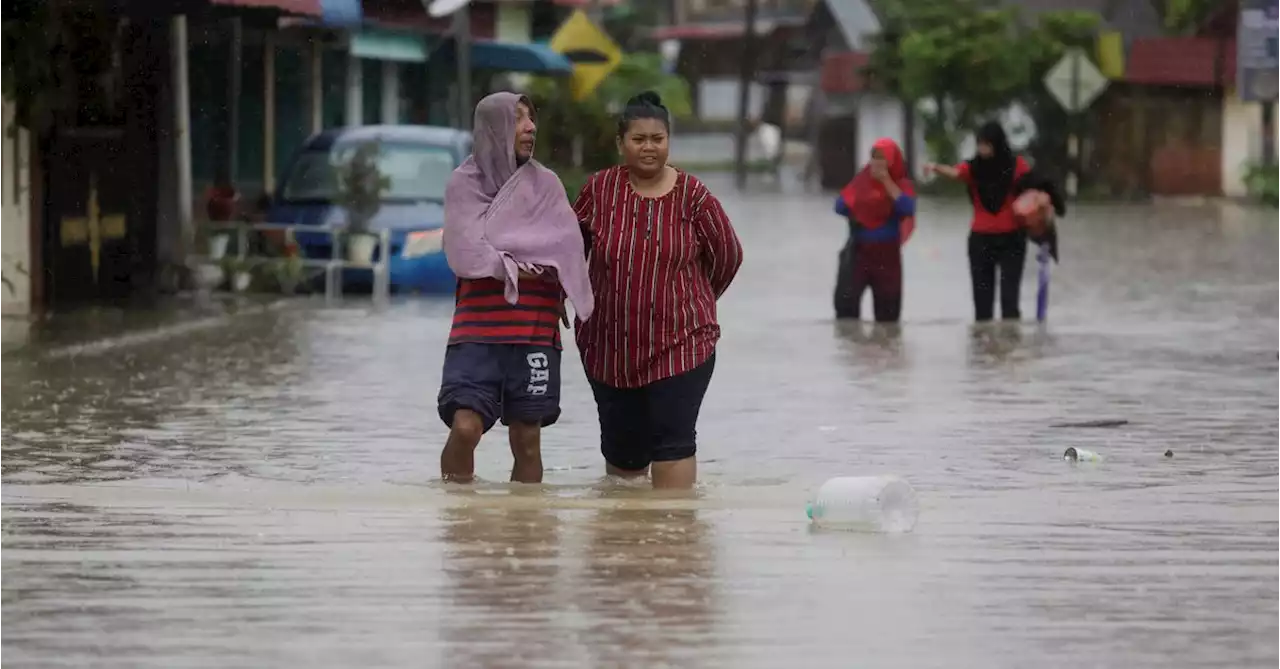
(661, 252)
(879, 204)
(996, 240)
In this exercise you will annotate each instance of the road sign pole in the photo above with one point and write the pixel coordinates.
(1269, 133)
(1073, 126)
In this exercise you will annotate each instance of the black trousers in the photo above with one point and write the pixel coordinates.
(874, 265)
(989, 253)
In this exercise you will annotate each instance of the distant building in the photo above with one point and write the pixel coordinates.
(709, 34)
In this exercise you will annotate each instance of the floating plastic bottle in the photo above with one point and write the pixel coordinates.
(865, 503)
(1081, 455)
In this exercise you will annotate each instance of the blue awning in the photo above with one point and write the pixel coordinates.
(510, 57)
(341, 13)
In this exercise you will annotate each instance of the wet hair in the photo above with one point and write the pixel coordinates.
(644, 105)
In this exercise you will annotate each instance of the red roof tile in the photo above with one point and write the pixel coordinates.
(1181, 61)
(721, 30)
(305, 7)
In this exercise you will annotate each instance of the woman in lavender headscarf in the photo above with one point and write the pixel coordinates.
(514, 242)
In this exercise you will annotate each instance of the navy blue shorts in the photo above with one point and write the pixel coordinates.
(519, 383)
(653, 423)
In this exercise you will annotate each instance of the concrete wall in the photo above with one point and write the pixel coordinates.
(718, 100)
(1241, 142)
(16, 240)
(882, 116)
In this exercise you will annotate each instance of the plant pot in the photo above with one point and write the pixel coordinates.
(207, 277)
(218, 243)
(360, 249)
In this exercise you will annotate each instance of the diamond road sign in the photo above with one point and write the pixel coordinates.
(1074, 81)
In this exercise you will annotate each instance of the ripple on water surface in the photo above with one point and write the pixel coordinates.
(260, 493)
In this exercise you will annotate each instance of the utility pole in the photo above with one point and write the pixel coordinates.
(744, 92)
(461, 11)
(462, 53)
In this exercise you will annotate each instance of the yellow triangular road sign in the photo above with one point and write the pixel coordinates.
(593, 53)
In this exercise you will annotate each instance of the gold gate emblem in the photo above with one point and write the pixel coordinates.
(92, 228)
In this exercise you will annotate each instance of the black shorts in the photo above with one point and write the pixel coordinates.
(519, 383)
(653, 423)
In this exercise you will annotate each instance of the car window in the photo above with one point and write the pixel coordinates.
(416, 172)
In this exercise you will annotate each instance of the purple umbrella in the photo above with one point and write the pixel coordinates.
(1042, 295)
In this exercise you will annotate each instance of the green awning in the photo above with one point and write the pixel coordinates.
(388, 45)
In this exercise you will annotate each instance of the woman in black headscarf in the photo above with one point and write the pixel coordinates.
(997, 241)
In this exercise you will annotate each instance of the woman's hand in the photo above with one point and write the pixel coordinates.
(530, 271)
(943, 170)
(880, 170)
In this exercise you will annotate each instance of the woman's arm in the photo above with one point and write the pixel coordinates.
(585, 208)
(904, 205)
(721, 249)
(958, 172)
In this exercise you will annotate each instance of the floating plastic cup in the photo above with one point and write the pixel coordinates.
(866, 504)
(1080, 455)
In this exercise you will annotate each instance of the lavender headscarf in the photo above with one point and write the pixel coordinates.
(498, 213)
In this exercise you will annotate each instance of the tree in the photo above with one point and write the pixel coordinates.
(1182, 17)
(1043, 45)
(959, 60)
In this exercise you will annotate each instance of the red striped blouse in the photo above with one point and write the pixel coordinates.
(657, 266)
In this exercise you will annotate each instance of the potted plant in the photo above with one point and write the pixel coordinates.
(289, 270)
(362, 184)
(237, 274)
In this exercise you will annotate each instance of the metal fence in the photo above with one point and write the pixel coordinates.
(332, 266)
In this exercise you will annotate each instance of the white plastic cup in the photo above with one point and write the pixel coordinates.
(885, 504)
(218, 243)
(1081, 455)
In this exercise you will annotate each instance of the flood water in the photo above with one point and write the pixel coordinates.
(260, 491)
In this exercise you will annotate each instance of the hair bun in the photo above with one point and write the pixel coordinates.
(645, 98)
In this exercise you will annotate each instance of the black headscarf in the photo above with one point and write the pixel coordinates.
(993, 177)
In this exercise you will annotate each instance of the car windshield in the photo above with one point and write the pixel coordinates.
(416, 172)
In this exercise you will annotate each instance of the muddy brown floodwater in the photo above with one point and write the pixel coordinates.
(260, 492)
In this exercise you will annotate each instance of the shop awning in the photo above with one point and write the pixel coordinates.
(395, 46)
(333, 13)
(721, 30)
(510, 57)
(302, 7)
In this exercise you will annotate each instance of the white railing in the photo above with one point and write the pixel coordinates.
(332, 266)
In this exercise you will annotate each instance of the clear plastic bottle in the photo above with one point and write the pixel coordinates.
(865, 503)
(1081, 455)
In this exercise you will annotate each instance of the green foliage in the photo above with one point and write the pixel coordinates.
(1184, 17)
(362, 185)
(55, 59)
(1044, 44)
(593, 122)
(967, 59)
(1263, 183)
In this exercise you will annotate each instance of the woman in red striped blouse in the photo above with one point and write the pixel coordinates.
(660, 252)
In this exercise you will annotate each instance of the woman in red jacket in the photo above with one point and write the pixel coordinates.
(996, 240)
(661, 251)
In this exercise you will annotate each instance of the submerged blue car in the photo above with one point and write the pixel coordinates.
(417, 160)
